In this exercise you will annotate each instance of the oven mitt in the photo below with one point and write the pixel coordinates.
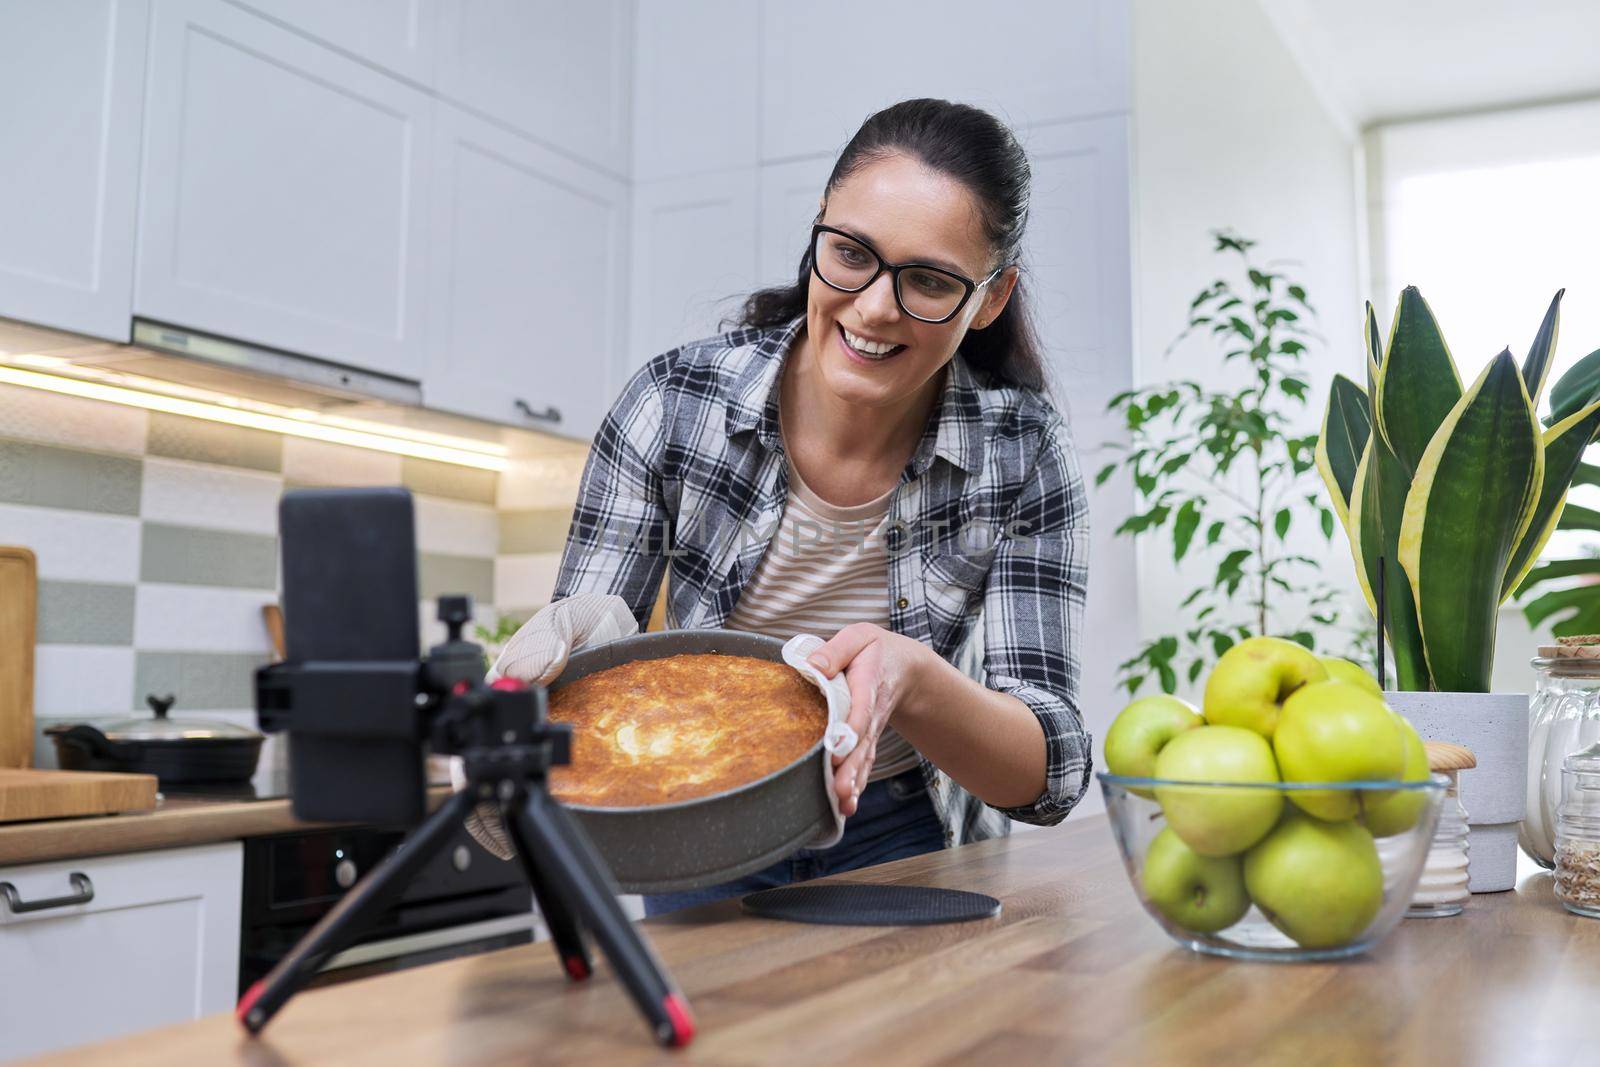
(840, 738)
(537, 653)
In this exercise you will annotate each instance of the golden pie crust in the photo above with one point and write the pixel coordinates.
(663, 730)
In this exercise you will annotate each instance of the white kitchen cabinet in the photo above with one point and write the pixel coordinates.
(557, 71)
(527, 281)
(72, 86)
(694, 258)
(789, 199)
(283, 197)
(157, 944)
(1029, 61)
(398, 35)
(695, 108)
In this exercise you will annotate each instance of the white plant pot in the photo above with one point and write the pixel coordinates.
(1495, 794)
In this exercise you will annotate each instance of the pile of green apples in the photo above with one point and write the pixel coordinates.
(1273, 712)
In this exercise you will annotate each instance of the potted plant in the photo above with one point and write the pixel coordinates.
(1447, 495)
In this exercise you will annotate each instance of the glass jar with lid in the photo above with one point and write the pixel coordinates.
(1577, 848)
(1563, 717)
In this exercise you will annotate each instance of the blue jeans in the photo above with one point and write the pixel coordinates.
(895, 819)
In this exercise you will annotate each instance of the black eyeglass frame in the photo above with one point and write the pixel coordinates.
(894, 270)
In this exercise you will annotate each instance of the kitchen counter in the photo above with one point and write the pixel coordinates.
(178, 821)
(1071, 971)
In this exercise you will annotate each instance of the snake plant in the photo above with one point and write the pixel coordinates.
(1455, 489)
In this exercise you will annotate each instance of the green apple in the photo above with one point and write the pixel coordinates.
(1200, 893)
(1212, 821)
(1319, 882)
(1252, 679)
(1342, 670)
(1337, 732)
(1395, 811)
(1142, 729)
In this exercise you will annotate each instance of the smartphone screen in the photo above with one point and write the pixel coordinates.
(350, 594)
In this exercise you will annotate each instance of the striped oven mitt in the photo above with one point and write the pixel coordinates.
(536, 654)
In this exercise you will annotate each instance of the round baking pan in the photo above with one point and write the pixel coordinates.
(692, 843)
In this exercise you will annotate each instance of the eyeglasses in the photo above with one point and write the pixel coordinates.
(926, 293)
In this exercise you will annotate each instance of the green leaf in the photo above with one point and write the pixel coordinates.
(1194, 670)
(1583, 603)
(1220, 643)
(1473, 498)
(1577, 517)
(1169, 680)
(1327, 522)
(1346, 425)
(1577, 389)
(1536, 366)
(1586, 474)
(1557, 569)
(1418, 386)
(1377, 503)
(1183, 528)
(1280, 522)
(1563, 455)
(1213, 532)
(1105, 472)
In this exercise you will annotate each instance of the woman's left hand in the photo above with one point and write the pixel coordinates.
(882, 669)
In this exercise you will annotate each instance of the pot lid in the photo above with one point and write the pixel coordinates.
(163, 728)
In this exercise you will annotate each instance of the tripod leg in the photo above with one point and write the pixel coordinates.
(578, 876)
(363, 903)
(565, 931)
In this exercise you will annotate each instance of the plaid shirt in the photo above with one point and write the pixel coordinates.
(988, 534)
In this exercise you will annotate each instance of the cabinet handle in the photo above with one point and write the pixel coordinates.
(83, 892)
(549, 414)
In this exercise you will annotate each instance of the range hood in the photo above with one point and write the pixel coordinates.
(182, 371)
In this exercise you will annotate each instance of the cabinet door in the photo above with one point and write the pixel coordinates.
(693, 109)
(397, 35)
(527, 280)
(157, 944)
(283, 193)
(71, 76)
(1029, 61)
(555, 70)
(694, 258)
(789, 198)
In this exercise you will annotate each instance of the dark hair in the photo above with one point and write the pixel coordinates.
(976, 149)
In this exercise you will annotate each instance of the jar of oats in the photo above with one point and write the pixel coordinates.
(1578, 833)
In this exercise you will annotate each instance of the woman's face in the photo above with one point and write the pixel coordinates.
(908, 213)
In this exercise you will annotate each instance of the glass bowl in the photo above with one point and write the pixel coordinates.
(1244, 869)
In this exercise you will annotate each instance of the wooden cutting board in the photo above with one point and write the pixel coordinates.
(32, 794)
(19, 607)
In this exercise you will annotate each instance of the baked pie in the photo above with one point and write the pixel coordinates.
(663, 730)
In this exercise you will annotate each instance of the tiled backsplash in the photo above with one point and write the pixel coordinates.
(157, 544)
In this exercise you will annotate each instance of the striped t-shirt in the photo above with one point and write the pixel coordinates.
(825, 568)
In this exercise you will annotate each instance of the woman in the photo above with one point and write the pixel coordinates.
(871, 458)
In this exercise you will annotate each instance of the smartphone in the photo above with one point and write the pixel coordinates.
(350, 595)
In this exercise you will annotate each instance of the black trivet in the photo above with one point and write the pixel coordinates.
(858, 904)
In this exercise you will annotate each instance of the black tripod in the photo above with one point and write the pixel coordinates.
(508, 747)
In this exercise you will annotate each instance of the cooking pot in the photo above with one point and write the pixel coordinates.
(173, 749)
(692, 843)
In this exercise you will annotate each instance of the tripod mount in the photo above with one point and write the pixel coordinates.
(501, 733)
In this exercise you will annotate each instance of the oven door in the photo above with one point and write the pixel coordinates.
(464, 901)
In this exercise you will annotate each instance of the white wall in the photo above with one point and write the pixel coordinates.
(1228, 132)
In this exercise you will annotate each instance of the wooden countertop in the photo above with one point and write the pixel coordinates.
(177, 822)
(1072, 971)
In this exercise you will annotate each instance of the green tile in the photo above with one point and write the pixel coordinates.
(211, 681)
(177, 437)
(85, 613)
(440, 575)
(191, 556)
(50, 477)
(448, 480)
(545, 530)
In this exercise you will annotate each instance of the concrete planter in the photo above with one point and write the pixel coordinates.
(1495, 727)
